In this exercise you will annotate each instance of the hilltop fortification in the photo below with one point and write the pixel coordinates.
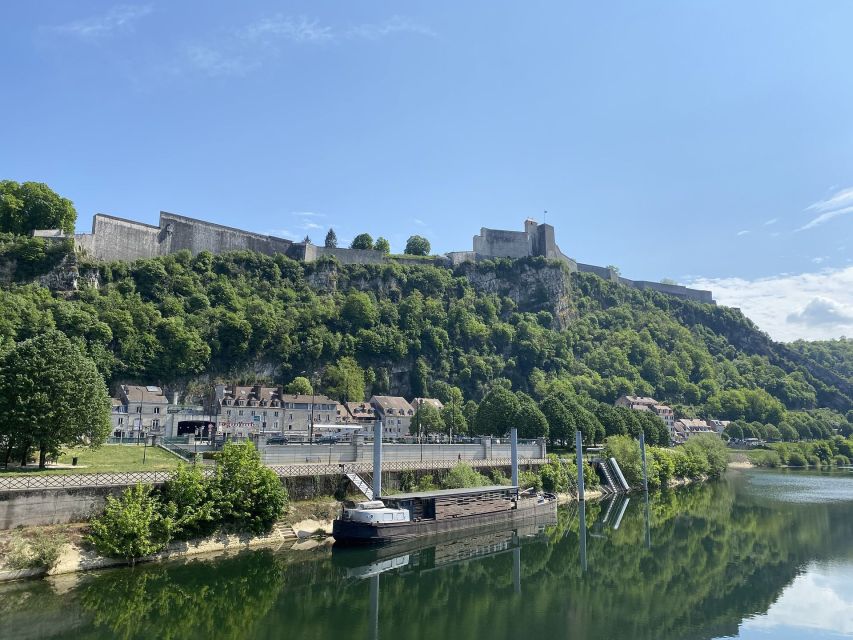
(119, 239)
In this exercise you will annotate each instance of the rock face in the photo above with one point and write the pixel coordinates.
(534, 285)
(68, 277)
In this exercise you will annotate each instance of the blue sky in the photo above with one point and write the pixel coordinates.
(708, 142)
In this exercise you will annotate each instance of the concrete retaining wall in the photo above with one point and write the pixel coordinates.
(52, 506)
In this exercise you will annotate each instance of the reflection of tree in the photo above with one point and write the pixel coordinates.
(219, 599)
(716, 558)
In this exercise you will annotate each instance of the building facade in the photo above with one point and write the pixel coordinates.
(396, 415)
(250, 410)
(645, 403)
(138, 411)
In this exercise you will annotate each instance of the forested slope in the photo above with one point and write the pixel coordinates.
(184, 321)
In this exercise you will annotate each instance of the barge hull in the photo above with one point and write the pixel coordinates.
(357, 533)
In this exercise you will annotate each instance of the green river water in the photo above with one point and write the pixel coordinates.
(761, 554)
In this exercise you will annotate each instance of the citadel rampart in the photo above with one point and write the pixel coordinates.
(115, 238)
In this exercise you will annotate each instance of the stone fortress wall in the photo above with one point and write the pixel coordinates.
(115, 238)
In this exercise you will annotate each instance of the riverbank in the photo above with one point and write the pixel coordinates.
(307, 525)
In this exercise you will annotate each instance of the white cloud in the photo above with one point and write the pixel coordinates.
(419, 222)
(312, 225)
(743, 232)
(298, 30)
(819, 259)
(839, 204)
(394, 25)
(771, 221)
(814, 306)
(308, 214)
(823, 311)
(818, 599)
(242, 49)
(118, 19)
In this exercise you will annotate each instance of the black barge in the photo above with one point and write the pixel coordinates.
(406, 516)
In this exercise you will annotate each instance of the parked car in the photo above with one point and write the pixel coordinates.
(327, 440)
(277, 440)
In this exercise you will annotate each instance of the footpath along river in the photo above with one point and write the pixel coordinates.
(761, 554)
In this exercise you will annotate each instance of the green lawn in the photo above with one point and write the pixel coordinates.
(112, 457)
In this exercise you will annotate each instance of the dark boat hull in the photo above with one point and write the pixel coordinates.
(360, 533)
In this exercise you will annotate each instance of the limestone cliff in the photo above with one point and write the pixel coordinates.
(533, 284)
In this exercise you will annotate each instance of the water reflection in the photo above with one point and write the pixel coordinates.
(719, 560)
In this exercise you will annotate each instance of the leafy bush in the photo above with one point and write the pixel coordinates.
(530, 480)
(797, 459)
(626, 451)
(555, 476)
(462, 475)
(132, 526)
(41, 551)
(250, 495)
(840, 460)
(664, 466)
(765, 458)
(194, 501)
(712, 449)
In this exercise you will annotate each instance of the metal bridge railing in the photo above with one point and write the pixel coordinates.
(34, 481)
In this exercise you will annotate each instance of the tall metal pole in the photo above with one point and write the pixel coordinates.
(643, 455)
(513, 441)
(582, 533)
(579, 450)
(377, 459)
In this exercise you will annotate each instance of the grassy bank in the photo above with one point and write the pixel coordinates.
(110, 458)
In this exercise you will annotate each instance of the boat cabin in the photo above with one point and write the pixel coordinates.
(454, 503)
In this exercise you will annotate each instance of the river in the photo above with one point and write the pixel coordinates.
(761, 554)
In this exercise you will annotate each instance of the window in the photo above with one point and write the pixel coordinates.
(121, 420)
(240, 412)
(228, 413)
(155, 423)
(138, 409)
(275, 413)
(156, 409)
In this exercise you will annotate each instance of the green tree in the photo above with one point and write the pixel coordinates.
(251, 495)
(359, 310)
(530, 420)
(33, 205)
(344, 380)
(132, 526)
(382, 245)
(559, 420)
(299, 385)
(52, 395)
(497, 413)
(427, 419)
(362, 241)
(417, 246)
(454, 419)
(331, 239)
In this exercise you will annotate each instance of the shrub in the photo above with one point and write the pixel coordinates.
(765, 458)
(554, 476)
(712, 449)
(797, 459)
(38, 552)
(193, 500)
(499, 477)
(530, 480)
(664, 466)
(132, 526)
(462, 475)
(840, 460)
(250, 496)
(626, 451)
